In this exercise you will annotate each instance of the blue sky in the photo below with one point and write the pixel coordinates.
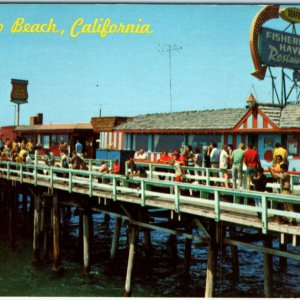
(69, 78)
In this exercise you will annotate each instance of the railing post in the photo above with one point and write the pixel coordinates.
(217, 206)
(264, 214)
(114, 188)
(151, 171)
(8, 171)
(21, 173)
(143, 187)
(90, 185)
(207, 176)
(70, 181)
(36, 157)
(90, 165)
(176, 188)
(35, 175)
(51, 179)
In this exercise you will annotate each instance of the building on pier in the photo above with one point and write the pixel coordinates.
(261, 124)
(50, 135)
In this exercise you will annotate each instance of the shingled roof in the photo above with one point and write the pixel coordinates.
(273, 112)
(188, 120)
(290, 116)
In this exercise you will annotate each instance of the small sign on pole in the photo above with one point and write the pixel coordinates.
(19, 94)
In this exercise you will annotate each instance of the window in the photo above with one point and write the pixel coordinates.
(201, 140)
(46, 141)
(56, 139)
(167, 142)
(140, 141)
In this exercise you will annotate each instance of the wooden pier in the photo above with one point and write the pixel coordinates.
(198, 212)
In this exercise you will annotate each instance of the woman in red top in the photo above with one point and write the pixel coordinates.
(116, 167)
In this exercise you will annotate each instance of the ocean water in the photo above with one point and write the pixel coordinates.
(154, 276)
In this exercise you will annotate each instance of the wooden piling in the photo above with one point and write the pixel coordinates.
(36, 229)
(24, 203)
(267, 269)
(187, 253)
(128, 287)
(282, 260)
(46, 231)
(211, 262)
(115, 240)
(148, 241)
(57, 267)
(235, 258)
(86, 243)
(12, 212)
(173, 247)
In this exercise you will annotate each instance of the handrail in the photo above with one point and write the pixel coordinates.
(211, 197)
(205, 174)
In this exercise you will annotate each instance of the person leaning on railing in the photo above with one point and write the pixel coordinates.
(285, 187)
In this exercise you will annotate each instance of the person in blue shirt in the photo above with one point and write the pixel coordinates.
(78, 148)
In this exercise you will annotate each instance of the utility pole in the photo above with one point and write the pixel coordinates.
(170, 48)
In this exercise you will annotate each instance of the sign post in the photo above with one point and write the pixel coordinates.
(19, 94)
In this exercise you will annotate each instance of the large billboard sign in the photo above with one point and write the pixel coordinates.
(279, 49)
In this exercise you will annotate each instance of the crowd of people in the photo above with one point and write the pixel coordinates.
(238, 160)
(222, 159)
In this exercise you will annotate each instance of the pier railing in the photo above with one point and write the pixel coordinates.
(207, 176)
(215, 202)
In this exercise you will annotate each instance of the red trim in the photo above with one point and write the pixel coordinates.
(254, 119)
(269, 121)
(107, 139)
(245, 125)
(243, 119)
(117, 141)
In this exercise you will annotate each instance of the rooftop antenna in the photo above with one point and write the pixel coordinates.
(100, 105)
(169, 48)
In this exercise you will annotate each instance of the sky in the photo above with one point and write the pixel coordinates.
(71, 78)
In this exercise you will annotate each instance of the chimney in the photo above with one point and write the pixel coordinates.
(36, 120)
(39, 119)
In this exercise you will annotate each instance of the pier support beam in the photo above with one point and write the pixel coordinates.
(46, 214)
(211, 262)
(12, 212)
(187, 253)
(36, 229)
(173, 247)
(148, 241)
(57, 267)
(267, 269)
(132, 236)
(235, 258)
(115, 240)
(86, 242)
(282, 260)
